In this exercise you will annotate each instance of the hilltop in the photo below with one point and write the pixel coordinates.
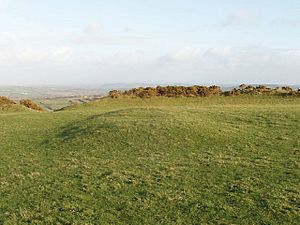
(218, 160)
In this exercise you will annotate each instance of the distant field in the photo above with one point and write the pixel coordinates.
(20, 92)
(53, 98)
(214, 160)
(54, 104)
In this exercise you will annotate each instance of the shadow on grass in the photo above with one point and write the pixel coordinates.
(112, 121)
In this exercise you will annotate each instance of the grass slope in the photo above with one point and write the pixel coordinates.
(216, 160)
(13, 109)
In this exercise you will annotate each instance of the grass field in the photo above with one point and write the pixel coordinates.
(215, 160)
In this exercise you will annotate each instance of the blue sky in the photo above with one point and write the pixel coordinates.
(75, 42)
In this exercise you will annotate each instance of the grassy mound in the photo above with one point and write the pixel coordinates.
(211, 160)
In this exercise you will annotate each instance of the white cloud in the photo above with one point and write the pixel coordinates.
(184, 54)
(128, 58)
(232, 65)
(28, 64)
(295, 23)
(106, 39)
(189, 55)
(93, 28)
(7, 39)
(241, 17)
(62, 54)
(128, 30)
(294, 52)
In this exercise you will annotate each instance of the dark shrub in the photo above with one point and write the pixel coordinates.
(115, 93)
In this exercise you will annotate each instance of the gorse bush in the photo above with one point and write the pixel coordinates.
(261, 89)
(30, 104)
(169, 91)
(202, 91)
(6, 102)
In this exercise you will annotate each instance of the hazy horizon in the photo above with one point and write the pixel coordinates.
(92, 43)
(133, 85)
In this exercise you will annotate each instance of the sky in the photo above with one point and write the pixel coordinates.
(94, 42)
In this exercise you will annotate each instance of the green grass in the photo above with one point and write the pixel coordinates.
(54, 103)
(216, 160)
(13, 109)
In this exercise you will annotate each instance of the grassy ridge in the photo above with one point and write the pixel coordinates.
(211, 160)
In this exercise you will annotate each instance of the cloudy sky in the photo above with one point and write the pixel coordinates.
(93, 42)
